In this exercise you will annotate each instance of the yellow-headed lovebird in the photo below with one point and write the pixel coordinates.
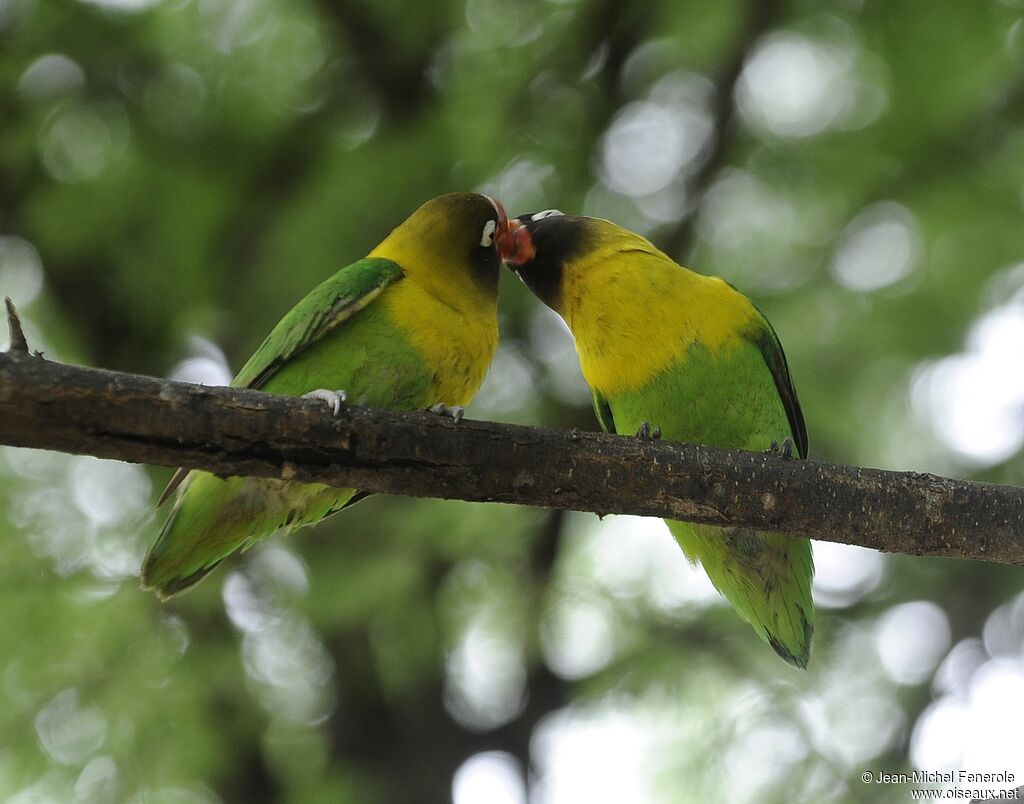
(663, 346)
(413, 325)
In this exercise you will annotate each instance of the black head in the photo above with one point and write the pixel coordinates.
(539, 248)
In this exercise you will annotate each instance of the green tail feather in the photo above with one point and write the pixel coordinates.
(213, 517)
(174, 586)
(765, 576)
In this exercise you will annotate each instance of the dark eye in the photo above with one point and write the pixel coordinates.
(487, 238)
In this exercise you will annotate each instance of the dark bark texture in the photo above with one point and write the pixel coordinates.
(233, 431)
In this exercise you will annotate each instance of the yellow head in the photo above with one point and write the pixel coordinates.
(448, 247)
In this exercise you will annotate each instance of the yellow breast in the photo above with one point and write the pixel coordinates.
(635, 312)
(457, 342)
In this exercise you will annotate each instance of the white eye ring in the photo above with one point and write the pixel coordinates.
(547, 213)
(487, 238)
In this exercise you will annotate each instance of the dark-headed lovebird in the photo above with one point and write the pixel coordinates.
(663, 346)
(413, 325)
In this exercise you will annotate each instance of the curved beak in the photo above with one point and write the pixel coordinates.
(512, 240)
(515, 245)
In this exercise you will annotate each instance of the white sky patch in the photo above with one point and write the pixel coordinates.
(551, 341)
(81, 141)
(486, 676)
(854, 715)
(625, 558)
(109, 492)
(668, 204)
(599, 757)
(758, 229)
(508, 384)
(284, 658)
(794, 86)
(748, 207)
(675, 583)
(276, 567)
(911, 639)
(68, 731)
(761, 758)
(49, 75)
(957, 669)
(524, 185)
(1003, 633)
(81, 512)
(845, 574)
(979, 732)
(205, 364)
(972, 400)
(493, 777)
(603, 202)
(650, 142)
(880, 247)
(290, 668)
(577, 637)
(21, 270)
(935, 745)
(97, 782)
(636, 557)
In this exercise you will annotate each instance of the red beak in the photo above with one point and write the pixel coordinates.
(515, 246)
(513, 241)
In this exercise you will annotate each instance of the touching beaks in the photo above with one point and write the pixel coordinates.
(515, 245)
(513, 242)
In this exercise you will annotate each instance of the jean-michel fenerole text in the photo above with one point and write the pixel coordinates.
(943, 777)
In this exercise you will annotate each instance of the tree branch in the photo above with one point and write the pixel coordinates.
(18, 341)
(233, 431)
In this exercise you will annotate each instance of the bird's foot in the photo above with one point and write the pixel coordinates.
(785, 451)
(332, 398)
(645, 433)
(455, 413)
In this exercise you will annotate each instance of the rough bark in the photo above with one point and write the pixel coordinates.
(234, 431)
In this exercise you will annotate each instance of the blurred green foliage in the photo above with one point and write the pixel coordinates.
(174, 174)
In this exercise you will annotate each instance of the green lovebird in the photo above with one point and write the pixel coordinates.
(413, 325)
(663, 346)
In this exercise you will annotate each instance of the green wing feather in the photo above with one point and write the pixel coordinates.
(214, 517)
(767, 341)
(328, 306)
(324, 309)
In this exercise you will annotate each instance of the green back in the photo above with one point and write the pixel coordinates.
(330, 304)
(724, 399)
(733, 399)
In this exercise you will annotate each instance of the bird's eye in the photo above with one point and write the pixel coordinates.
(487, 238)
(547, 213)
